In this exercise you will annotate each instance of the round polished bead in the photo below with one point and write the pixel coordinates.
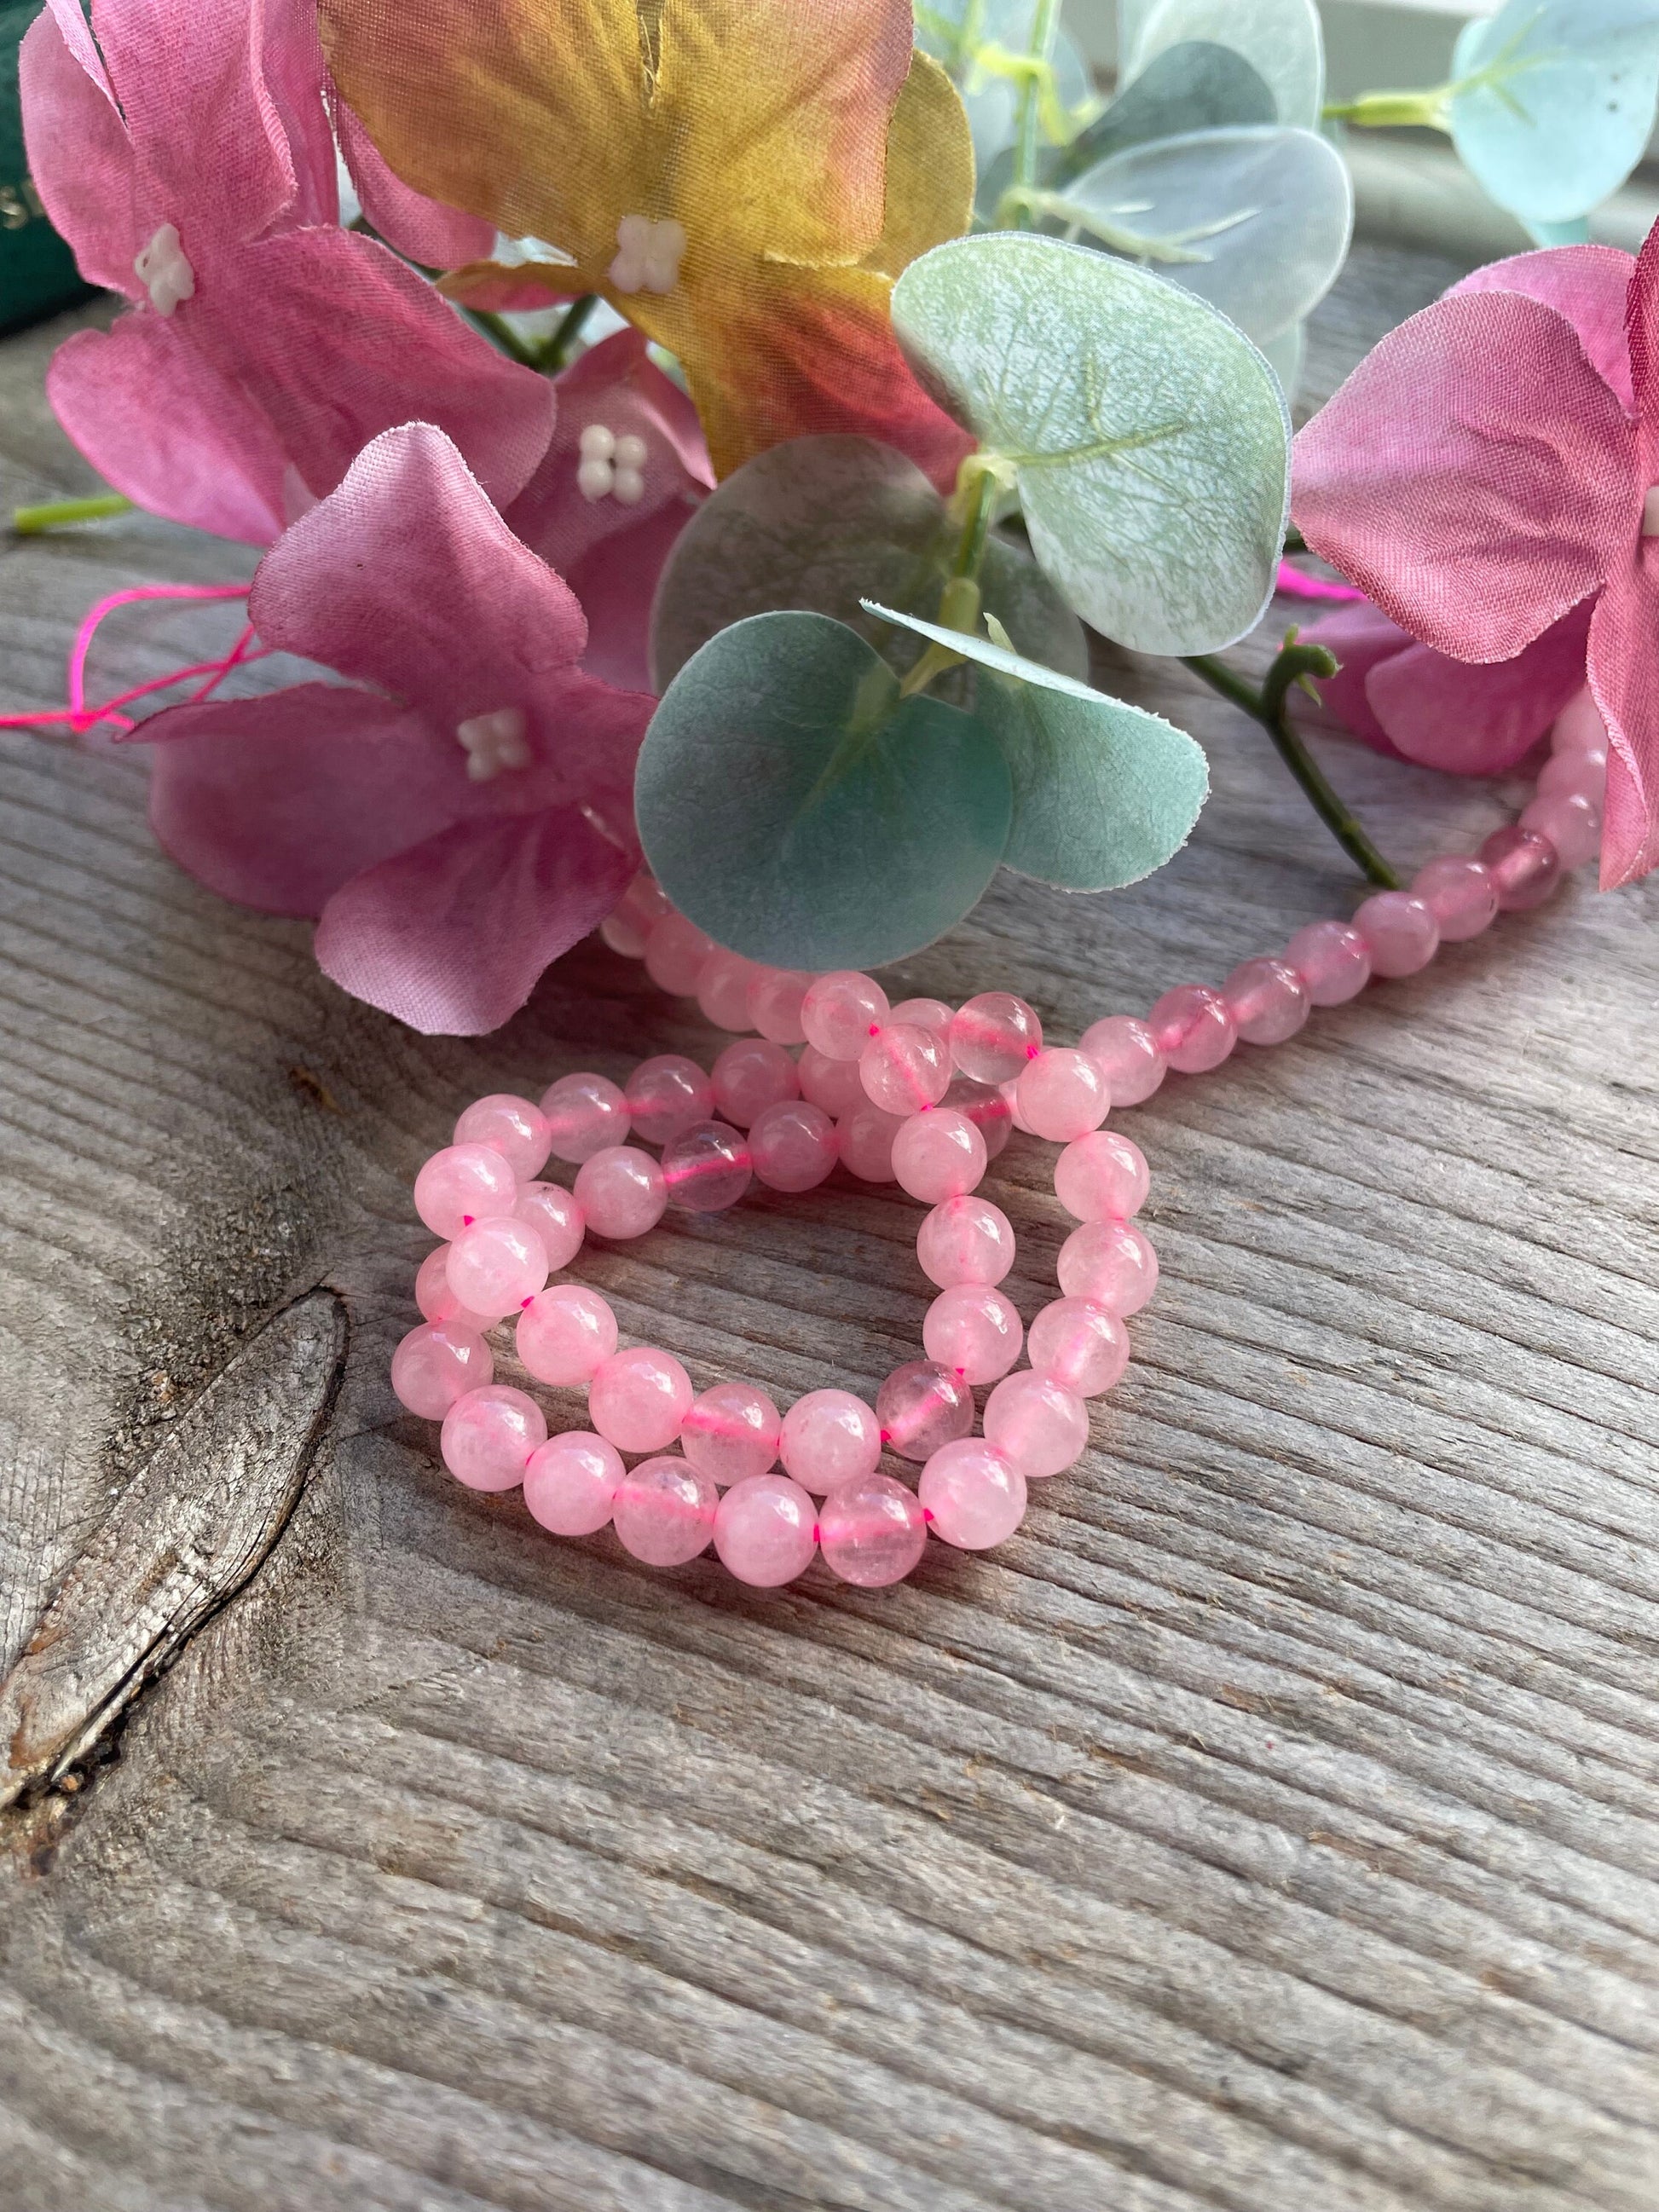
(554, 1214)
(921, 1406)
(1127, 1055)
(565, 1334)
(834, 1084)
(497, 1265)
(763, 1530)
(663, 1511)
(972, 1495)
(462, 1184)
(750, 1076)
(1579, 727)
(438, 1303)
(865, 1138)
(437, 1364)
(775, 997)
(1268, 1001)
(1102, 1177)
(1079, 1344)
(667, 1094)
(621, 1192)
(1333, 960)
(518, 1130)
(1579, 771)
(638, 1399)
(630, 921)
(1460, 894)
(842, 1011)
(904, 1068)
(585, 1114)
(830, 1437)
(674, 953)
(993, 1035)
(570, 1482)
(975, 1331)
(1525, 867)
(723, 983)
(873, 1532)
(793, 1146)
(706, 1168)
(1037, 1422)
(1112, 1263)
(1062, 1094)
(731, 1432)
(985, 1106)
(1569, 821)
(489, 1436)
(925, 1014)
(1193, 1028)
(938, 1154)
(965, 1239)
(1400, 933)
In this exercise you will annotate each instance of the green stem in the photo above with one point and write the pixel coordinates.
(55, 513)
(1393, 111)
(555, 350)
(497, 328)
(1029, 130)
(977, 530)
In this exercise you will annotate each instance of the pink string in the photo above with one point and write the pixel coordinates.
(82, 715)
(1297, 584)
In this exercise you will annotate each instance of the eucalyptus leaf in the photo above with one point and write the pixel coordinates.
(821, 524)
(800, 810)
(1150, 440)
(1280, 39)
(1286, 355)
(1195, 85)
(956, 33)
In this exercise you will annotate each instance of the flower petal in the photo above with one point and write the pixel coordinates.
(425, 230)
(1642, 329)
(1362, 638)
(1588, 284)
(79, 155)
(1478, 718)
(615, 579)
(1624, 675)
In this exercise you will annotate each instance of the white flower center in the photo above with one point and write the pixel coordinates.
(493, 742)
(1650, 513)
(611, 466)
(164, 269)
(648, 254)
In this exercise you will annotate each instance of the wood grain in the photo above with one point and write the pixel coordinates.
(1272, 1826)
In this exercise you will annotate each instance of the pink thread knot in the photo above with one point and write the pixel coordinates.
(82, 715)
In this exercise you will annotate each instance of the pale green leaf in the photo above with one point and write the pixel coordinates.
(1280, 40)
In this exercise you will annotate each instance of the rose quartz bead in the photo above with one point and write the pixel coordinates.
(830, 1437)
(984, 1105)
(1127, 1053)
(570, 1482)
(435, 1365)
(938, 1154)
(556, 1218)
(1568, 820)
(763, 1530)
(1037, 1422)
(1579, 727)
(872, 1533)
(706, 1168)
(1460, 894)
(462, 1184)
(993, 1035)
(1525, 867)
(438, 1303)
(1268, 1001)
(674, 953)
(903, 1069)
(663, 1511)
(1016, 1118)
(638, 1399)
(585, 1113)
(496, 1267)
(1581, 771)
(965, 1239)
(972, 1495)
(1062, 1094)
(1193, 1028)
(630, 921)
(518, 1130)
(842, 1011)
(1400, 933)
(1079, 1344)
(834, 1084)
(621, 1192)
(565, 1334)
(793, 1146)
(731, 1432)
(775, 997)
(921, 1406)
(1102, 1177)
(750, 1076)
(723, 983)
(1112, 1263)
(974, 1330)
(667, 1094)
(865, 1138)
(489, 1436)
(925, 1013)
(1331, 959)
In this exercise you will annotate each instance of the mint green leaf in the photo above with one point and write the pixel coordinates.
(1196, 86)
(1280, 40)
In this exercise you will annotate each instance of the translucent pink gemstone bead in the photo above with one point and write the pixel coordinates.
(1579, 727)
(1126, 1051)
(993, 1035)
(763, 1530)
(565, 1334)
(938, 1154)
(437, 1364)
(903, 1069)
(667, 1094)
(1400, 933)
(556, 1218)
(664, 1511)
(974, 1330)
(750, 1076)
(1193, 1028)
(1268, 1001)
(925, 1013)
(1102, 1177)
(793, 1146)
(630, 922)
(1569, 821)
(621, 1192)
(841, 1012)
(985, 1106)
(586, 1112)
(1079, 1344)
(1460, 894)
(1062, 1094)
(1037, 1422)
(1525, 867)
(1112, 1263)
(1580, 772)
(438, 1303)
(830, 1437)
(461, 1184)
(518, 1130)
(723, 983)
(489, 1436)
(921, 1406)
(706, 1168)
(965, 1239)
(731, 1432)
(834, 1084)
(674, 953)
(1331, 959)
(775, 997)
(497, 1265)
(570, 1482)
(865, 1138)
(872, 1533)
(638, 1399)
(972, 1494)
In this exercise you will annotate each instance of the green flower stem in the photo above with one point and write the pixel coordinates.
(1297, 664)
(555, 351)
(1027, 141)
(500, 331)
(960, 604)
(1393, 111)
(57, 513)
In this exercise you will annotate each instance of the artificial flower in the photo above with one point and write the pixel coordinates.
(460, 810)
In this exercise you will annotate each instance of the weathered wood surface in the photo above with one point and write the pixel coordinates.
(1272, 1826)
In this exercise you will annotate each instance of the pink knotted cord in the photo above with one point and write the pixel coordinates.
(83, 716)
(1296, 584)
